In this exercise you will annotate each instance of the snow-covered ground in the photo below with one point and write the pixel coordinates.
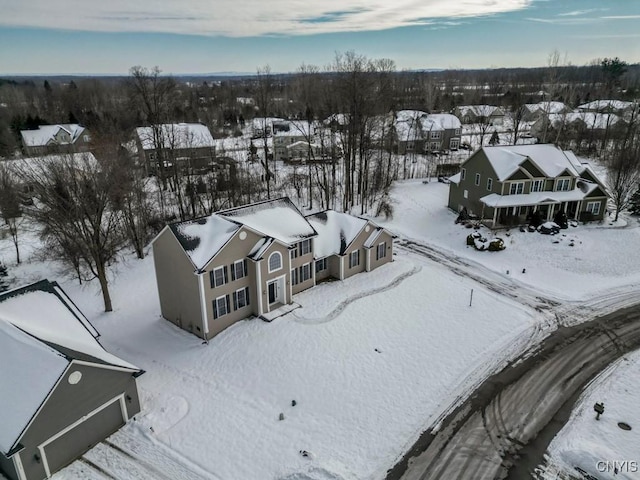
(370, 362)
(599, 447)
(603, 256)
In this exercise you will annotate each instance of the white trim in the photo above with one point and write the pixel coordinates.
(227, 312)
(269, 262)
(290, 275)
(158, 236)
(213, 274)
(203, 305)
(367, 262)
(342, 266)
(245, 298)
(101, 365)
(17, 463)
(43, 445)
(282, 278)
(259, 287)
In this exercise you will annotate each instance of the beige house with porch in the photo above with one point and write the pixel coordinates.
(251, 261)
(503, 185)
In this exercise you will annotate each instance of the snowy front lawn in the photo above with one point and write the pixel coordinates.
(575, 265)
(370, 362)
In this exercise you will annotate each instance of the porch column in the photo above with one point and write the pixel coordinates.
(495, 216)
(578, 210)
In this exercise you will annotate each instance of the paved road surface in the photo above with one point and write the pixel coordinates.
(482, 438)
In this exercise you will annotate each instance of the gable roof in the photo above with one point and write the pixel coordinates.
(605, 105)
(36, 349)
(547, 107)
(45, 134)
(176, 136)
(202, 238)
(336, 232)
(591, 120)
(479, 110)
(278, 218)
(549, 159)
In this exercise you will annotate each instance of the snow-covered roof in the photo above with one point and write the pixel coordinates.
(45, 134)
(277, 218)
(605, 105)
(336, 231)
(375, 234)
(338, 119)
(591, 120)
(31, 163)
(455, 178)
(443, 121)
(535, 198)
(203, 238)
(478, 110)
(260, 247)
(547, 107)
(41, 332)
(175, 135)
(551, 161)
(296, 129)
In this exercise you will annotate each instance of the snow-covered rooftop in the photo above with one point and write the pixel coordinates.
(45, 134)
(175, 135)
(547, 107)
(443, 121)
(40, 333)
(535, 198)
(203, 238)
(478, 110)
(277, 218)
(591, 120)
(605, 105)
(548, 158)
(336, 231)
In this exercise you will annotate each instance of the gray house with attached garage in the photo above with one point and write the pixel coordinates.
(505, 185)
(62, 391)
(251, 260)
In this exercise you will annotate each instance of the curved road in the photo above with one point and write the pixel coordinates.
(483, 437)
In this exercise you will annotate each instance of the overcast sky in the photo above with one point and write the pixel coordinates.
(204, 36)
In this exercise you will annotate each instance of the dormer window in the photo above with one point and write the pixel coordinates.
(562, 184)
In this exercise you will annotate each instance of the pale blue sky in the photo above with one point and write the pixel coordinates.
(203, 36)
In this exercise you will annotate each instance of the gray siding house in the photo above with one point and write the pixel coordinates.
(67, 392)
(251, 260)
(420, 132)
(504, 185)
(66, 138)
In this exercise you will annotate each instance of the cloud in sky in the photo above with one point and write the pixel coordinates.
(243, 18)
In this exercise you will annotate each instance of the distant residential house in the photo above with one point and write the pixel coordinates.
(504, 185)
(188, 146)
(62, 391)
(595, 124)
(49, 139)
(618, 107)
(251, 260)
(290, 133)
(535, 111)
(337, 121)
(420, 132)
(485, 114)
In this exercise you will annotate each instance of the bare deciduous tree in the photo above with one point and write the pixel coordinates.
(10, 208)
(73, 205)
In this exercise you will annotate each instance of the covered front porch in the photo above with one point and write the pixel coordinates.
(510, 210)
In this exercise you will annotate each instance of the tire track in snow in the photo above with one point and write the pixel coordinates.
(346, 302)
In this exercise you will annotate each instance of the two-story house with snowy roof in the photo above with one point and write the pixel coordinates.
(189, 146)
(67, 138)
(504, 184)
(62, 392)
(251, 260)
(420, 132)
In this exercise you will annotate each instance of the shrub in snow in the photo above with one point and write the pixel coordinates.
(561, 219)
(496, 245)
(549, 228)
(535, 218)
(481, 244)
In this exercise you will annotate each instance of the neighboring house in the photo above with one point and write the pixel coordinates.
(283, 138)
(251, 260)
(485, 114)
(420, 132)
(619, 107)
(62, 391)
(337, 122)
(189, 146)
(304, 152)
(596, 124)
(55, 139)
(504, 185)
(534, 111)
